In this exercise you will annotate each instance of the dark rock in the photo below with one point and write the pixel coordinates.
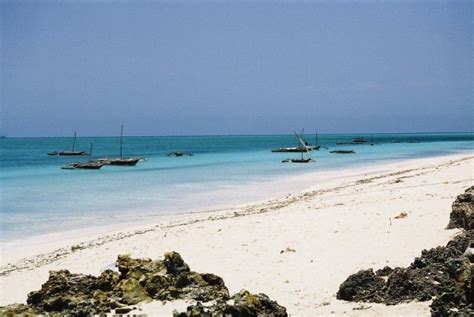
(462, 214)
(435, 272)
(242, 304)
(139, 280)
(363, 285)
(201, 287)
(19, 310)
(444, 274)
(123, 310)
(132, 292)
(384, 272)
(107, 280)
(65, 291)
(174, 263)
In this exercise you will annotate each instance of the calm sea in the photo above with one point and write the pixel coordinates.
(38, 197)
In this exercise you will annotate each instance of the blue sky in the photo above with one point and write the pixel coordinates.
(171, 68)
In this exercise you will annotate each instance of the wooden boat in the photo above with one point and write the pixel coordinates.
(295, 149)
(73, 152)
(343, 151)
(178, 154)
(90, 165)
(357, 141)
(121, 161)
(302, 159)
(303, 148)
(94, 165)
(360, 140)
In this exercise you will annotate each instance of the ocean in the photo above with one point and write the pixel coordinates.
(38, 197)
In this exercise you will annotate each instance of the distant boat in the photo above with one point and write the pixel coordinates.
(343, 151)
(73, 152)
(357, 141)
(294, 149)
(302, 159)
(303, 148)
(178, 154)
(121, 161)
(94, 165)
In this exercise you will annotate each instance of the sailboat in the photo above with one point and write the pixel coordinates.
(73, 152)
(91, 165)
(122, 161)
(302, 159)
(301, 148)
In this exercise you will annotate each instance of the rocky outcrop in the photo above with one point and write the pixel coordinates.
(242, 304)
(360, 286)
(444, 274)
(137, 281)
(462, 214)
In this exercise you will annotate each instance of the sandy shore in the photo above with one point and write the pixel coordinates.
(343, 223)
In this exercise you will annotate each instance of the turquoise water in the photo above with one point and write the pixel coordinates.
(38, 197)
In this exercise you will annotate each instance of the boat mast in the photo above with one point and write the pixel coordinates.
(74, 142)
(90, 154)
(121, 140)
(316, 138)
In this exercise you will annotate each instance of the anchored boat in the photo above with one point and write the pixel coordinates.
(343, 151)
(302, 159)
(178, 154)
(73, 152)
(301, 148)
(121, 161)
(90, 165)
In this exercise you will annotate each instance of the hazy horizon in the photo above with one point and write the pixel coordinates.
(242, 68)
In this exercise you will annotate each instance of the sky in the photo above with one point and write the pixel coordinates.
(235, 67)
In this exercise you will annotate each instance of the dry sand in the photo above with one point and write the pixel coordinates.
(345, 222)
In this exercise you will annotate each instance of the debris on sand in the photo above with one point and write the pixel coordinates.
(401, 215)
(288, 249)
(137, 281)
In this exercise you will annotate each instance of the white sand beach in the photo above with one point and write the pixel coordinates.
(297, 248)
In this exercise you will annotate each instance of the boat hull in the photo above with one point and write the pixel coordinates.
(86, 165)
(72, 153)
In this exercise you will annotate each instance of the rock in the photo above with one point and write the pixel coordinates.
(469, 253)
(65, 291)
(174, 263)
(242, 304)
(462, 214)
(444, 274)
(201, 287)
(123, 310)
(384, 272)
(138, 280)
(107, 280)
(434, 272)
(196, 310)
(19, 310)
(132, 292)
(361, 286)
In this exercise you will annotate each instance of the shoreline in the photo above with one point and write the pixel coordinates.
(322, 212)
(303, 182)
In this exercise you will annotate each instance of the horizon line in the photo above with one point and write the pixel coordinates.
(235, 135)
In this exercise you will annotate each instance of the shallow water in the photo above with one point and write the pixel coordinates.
(38, 197)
